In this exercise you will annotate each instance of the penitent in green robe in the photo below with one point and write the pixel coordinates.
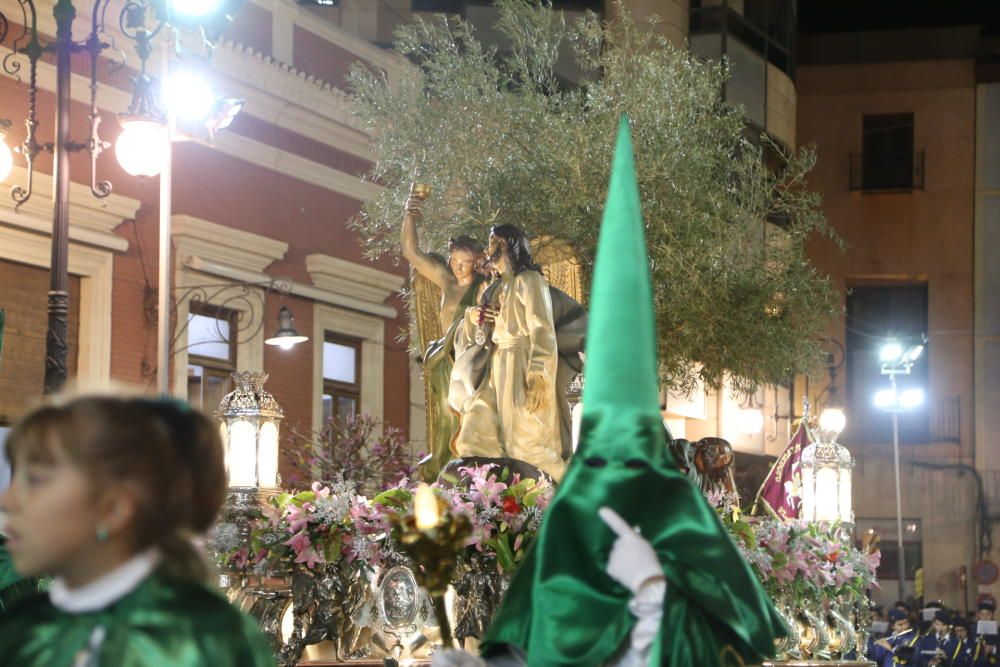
(164, 622)
(439, 358)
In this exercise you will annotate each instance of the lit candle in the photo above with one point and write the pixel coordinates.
(425, 508)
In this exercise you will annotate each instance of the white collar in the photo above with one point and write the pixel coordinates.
(107, 588)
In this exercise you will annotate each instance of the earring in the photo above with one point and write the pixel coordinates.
(102, 534)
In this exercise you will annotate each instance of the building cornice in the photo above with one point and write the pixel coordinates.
(334, 34)
(252, 151)
(225, 245)
(296, 166)
(92, 221)
(351, 279)
(279, 93)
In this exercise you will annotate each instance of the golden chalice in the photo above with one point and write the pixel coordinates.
(420, 190)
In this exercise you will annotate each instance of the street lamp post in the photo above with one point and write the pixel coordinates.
(896, 361)
(901, 557)
(135, 149)
(27, 43)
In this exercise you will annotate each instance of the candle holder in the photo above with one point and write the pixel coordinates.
(434, 546)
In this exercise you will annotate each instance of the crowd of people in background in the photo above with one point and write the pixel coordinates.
(934, 636)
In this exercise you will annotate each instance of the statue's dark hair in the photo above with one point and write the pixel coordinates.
(518, 250)
(465, 242)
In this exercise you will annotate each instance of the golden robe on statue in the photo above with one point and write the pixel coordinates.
(489, 381)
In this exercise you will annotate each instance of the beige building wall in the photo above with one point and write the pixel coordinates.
(674, 16)
(923, 235)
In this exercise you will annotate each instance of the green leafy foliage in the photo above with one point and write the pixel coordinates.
(502, 139)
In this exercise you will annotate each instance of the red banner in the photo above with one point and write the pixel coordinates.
(781, 493)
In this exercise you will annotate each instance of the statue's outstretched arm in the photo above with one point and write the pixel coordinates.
(426, 265)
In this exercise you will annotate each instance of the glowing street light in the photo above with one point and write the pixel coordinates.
(188, 96)
(195, 8)
(142, 146)
(286, 337)
(833, 421)
(750, 420)
(6, 156)
(911, 398)
(890, 352)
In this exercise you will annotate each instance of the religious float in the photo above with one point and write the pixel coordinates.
(336, 575)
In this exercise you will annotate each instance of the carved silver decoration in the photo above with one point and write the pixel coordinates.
(399, 598)
(249, 399)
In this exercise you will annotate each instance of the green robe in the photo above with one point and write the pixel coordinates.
(13, 586)
(438, 361)
(163, 622)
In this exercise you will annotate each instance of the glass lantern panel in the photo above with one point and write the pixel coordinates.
(208, 336)
(846, 509)
(242, 454)
(340, 362)
(827, 488)
(224, 434)
(267, 456)
(808, 495)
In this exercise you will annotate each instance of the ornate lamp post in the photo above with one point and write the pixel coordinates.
(133, 20)
(28, 44)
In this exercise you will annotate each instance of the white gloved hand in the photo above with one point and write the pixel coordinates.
(453, 658)
(632, 561)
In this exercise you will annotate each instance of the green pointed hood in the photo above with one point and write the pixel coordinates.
(562, 609)
(620, 372)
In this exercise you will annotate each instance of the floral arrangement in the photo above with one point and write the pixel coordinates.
(331, 523)
(506, 512)
(802, 560)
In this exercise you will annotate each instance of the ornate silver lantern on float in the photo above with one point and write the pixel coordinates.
(826, 478)
(250, 419)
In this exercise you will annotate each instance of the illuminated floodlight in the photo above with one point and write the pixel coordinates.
(911, 398)
(885, 398)
(912, 354)
(188, 95)
(890, 352)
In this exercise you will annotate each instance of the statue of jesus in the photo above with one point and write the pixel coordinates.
(510, 409)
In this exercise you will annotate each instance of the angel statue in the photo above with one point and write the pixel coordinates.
(460, 285)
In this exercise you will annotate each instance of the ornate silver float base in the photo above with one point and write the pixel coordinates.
(819, 663)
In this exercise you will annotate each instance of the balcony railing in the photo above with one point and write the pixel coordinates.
(887, 173)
